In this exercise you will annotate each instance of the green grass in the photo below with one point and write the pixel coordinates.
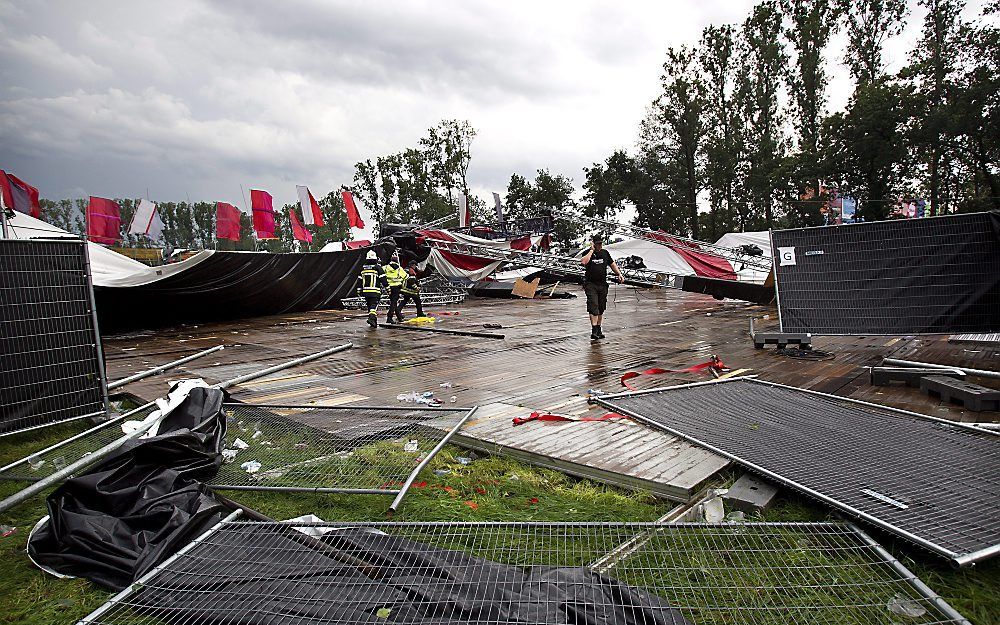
(489, 489)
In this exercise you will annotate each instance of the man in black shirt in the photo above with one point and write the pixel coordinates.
(595, 283)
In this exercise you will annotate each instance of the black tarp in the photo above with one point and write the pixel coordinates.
(726, 289)
(233, 285)
(275, 575)
(142, 503)
(909, 276)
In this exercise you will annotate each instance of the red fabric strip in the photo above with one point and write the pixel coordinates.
(714, 363)
(548, 416)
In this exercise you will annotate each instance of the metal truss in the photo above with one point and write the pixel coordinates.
(552, 263)
(734, 256)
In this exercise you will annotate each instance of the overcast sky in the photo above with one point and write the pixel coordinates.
(191, 99)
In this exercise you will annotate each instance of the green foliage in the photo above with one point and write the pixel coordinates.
(420, 184)
(527, 198)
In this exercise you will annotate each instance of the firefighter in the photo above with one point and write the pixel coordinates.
(394, 277)
(371, 281)
(411, 290)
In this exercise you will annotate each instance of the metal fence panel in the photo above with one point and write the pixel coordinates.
(499, 573)
(52, 367)
(927, 480)
(327, 448)
(911, 276)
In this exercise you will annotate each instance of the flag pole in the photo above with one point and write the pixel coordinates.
(246, 207)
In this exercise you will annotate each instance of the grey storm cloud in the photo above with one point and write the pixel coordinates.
(193, 99)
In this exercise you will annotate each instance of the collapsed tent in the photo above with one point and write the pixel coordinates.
(464, 267)
(141, 504)
(211, 285)
(751, 244)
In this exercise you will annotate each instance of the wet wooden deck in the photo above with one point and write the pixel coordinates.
(546, 362)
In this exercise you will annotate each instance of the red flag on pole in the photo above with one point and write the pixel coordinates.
(227, 221)
(353, 216)
(311, 214)
(263, 214)
(103, 221)
(298, 230)
(19, 195)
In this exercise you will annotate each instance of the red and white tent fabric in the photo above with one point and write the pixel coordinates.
(760, 240)
(18, 195)
(464, 267)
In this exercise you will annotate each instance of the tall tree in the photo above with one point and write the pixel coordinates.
(869, 23)
(932, 71)
(865, 150)
(762, 63)
(723, 143)
(675, 129)
(810, 23)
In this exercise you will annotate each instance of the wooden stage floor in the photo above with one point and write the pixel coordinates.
(546, 362)
(546, 359)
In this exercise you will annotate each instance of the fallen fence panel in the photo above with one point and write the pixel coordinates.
(497, 573)
(330, 449)
(925, 479)
(50, 466)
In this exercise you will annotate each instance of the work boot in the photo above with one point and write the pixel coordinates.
(600, 332)
(373, 321)
(593, 333)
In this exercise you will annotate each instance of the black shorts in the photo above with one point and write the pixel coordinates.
(597, 297)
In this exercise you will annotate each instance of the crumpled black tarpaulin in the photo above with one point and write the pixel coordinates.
(272, 574)
(141, 504)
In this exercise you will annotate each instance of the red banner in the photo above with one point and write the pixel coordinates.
(227, 221)
(103, 221)
(19, 195)
(298, 230)
(704, 264)
(353, 216)
(263, 214)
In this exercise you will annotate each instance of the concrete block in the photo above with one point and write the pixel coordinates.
(750, 494)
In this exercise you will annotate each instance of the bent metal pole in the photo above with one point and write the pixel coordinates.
(107, 450)
(170, 365)
(930, 365)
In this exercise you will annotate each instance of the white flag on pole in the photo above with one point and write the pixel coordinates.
(146, 221)
(498, 206)
(463, 211)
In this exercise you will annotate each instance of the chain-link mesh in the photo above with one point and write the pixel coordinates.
(326, 448)
(42, 461)
(755, 573)
(51, 369)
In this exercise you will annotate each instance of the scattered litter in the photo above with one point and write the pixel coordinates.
(7, 530)
(302, 445)
(59, 463)
(441, 472)
(737, 516)
(594, 392)
(256, 435)
(383, 612)
(904, 606)
(411, 446)
(463, 460)
(514, 478)
(472, 504)
(239, 444)
(35, 463)
(713, 510)
(492, 326)
(251, 467)
(453, 399)
(228, 455)
(445, 385)
(533, 500)
(427, 398)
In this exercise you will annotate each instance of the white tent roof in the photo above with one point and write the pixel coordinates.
(107, 268)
